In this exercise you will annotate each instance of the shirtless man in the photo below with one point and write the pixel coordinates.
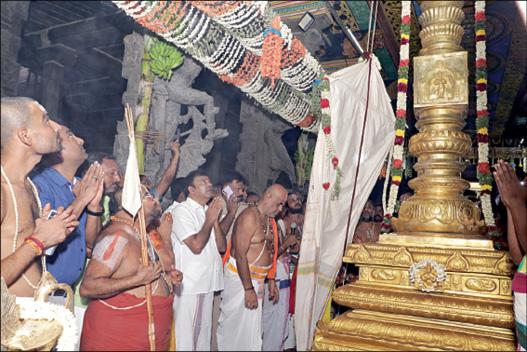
(252, 260)
(27, 134)
(115, 279)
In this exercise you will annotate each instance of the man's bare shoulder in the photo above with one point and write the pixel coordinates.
(111, 245)
(116, 229)
(248, 214)
(246, 221)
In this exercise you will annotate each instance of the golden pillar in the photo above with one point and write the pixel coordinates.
(440, 103)
(437, 284)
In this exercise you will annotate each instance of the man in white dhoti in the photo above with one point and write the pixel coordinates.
(251, 260)
(197, 240)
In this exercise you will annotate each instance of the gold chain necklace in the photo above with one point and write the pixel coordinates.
(265, 227)
(268, 243)
(15, 237)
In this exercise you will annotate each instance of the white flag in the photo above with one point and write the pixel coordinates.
(131, 194)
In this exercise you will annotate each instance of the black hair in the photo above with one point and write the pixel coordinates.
(93, 157)
(99, 157)
(232, 176)
(178, 185)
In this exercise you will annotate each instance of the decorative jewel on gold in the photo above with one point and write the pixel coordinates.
(427, 275)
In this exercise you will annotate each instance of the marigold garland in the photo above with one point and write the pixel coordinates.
(397, 163)
(272, 51)
(482, 119)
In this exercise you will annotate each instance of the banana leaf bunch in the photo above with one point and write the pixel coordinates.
(163, 58)
(304, 160)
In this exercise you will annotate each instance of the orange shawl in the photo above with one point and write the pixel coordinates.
(272, 271)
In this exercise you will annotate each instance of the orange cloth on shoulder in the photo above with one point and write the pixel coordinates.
(272, 271)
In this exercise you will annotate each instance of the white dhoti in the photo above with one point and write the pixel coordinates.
(275, 316)
(240, 328)
(193, 321)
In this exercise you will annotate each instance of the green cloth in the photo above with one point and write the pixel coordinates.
(78, 300)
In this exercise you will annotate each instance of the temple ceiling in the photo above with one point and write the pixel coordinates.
(84, 26)
(506, 50)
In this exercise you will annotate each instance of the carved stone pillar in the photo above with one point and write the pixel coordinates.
(52, 77)
(14, 14)
(440, 103)
(262, 154)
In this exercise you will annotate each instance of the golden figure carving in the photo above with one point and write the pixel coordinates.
(393, 276)
(442, 79)
(482, 285)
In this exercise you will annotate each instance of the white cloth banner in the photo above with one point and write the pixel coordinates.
(131, 196)
(326, 219)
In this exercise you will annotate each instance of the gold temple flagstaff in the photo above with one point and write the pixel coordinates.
(437, 284)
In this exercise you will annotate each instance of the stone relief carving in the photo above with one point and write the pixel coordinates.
(262, 154)
(169, 98)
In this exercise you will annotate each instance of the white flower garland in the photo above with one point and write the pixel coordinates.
(483, 167)
(48, 311)
(401, 107)
(415, 278)
(202, 32)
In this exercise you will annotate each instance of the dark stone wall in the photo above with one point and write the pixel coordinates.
(14, 15)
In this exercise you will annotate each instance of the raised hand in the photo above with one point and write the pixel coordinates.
(214, 210)
(174, 147)
(95, 204)
(54, 231)
(90, 185)
(165, 226)
(147, 274)
(232, 204)
(509, 185)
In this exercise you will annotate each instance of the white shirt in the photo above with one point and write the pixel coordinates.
(202, 273)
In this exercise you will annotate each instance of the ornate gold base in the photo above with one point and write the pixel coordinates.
(362, 330)
(454, 307)
(421, 294)
(437, 240)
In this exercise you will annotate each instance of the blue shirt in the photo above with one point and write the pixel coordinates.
(67, 263)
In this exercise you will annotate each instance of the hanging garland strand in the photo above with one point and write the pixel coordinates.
(482, 119)
(397, 164)
(325, 107)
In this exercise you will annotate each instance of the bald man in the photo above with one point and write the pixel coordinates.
(27, 134)
(251, 260)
